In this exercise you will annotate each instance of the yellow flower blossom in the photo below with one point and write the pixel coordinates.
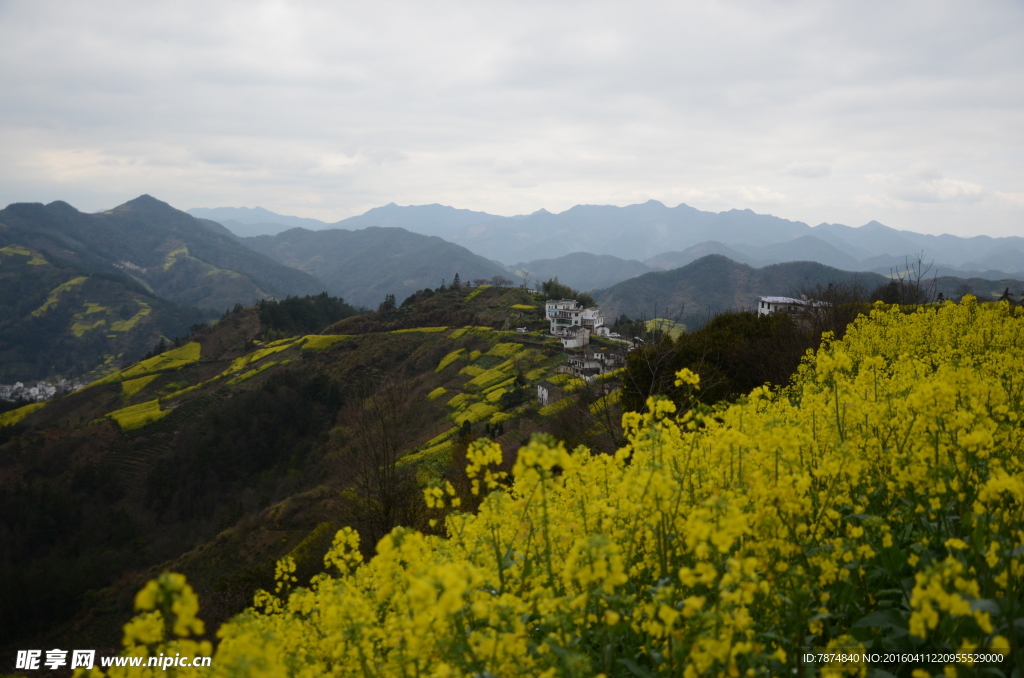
(710, 544)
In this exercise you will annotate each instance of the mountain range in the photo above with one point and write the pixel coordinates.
(364, 265)
(715, 283)
(83, 293)
(662, 237)
(183, 259)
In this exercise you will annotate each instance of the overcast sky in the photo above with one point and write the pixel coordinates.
(908, 113)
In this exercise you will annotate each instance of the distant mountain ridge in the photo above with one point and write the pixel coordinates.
(81, 294)
(254, 216)
(365, 265)
(653, 231)
(434, 219)
(185, 260)
(714, 283)
(581, 270)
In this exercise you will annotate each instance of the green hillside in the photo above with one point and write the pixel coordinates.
(364, 266)
(220, 456)
(584, 271)
(172, 254)
(714, 283)
(57, 321)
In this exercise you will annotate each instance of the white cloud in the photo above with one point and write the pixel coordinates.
(808, 170)
(925, 184)
(811, 111)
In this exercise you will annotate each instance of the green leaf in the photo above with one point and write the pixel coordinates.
(635, 668)
(883, 619)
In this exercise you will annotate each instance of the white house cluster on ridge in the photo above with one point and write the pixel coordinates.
(574, 323)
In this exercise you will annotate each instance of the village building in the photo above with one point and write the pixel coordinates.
(590, 363)
(564, 314)
(43, 390)
(787, 305)
(575, 337)
(584, 365)
(548, 393)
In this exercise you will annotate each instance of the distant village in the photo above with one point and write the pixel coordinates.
(43, 390)
(568, 320)
(574, 324)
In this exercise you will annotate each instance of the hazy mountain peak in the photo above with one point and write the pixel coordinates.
(249, 216)
(57, 205)
(876, 225)
(145, 203)
(171, 253)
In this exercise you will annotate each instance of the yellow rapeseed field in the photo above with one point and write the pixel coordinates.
(875, 504)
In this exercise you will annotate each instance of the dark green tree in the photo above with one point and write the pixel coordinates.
(553, 289)
(388, 304)
(733, 354)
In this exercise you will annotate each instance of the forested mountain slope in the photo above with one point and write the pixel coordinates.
(714, 283)
(59, 321)
(582, 271)
(172, 254)
(364, 266)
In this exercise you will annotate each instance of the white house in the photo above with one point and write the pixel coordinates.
(788, 305)
(773, 305)
(575, 337)
(563, 314)
(548, 393)
(590, 363)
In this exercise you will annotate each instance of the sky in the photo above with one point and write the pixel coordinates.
(909, 113)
